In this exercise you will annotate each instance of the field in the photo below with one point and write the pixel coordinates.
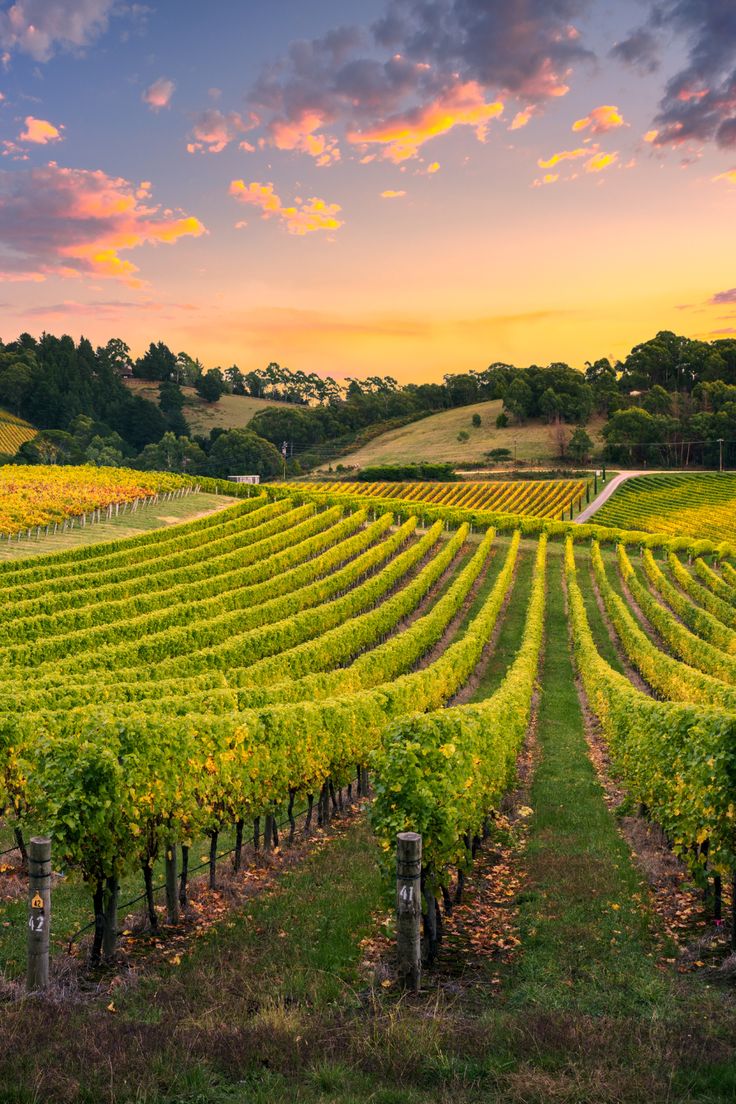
(699, 504)
(436, 439)
(229, 412)
(13, 432)
(164, 699)
(525, 498)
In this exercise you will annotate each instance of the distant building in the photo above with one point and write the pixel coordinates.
(244, 478)
(125, 371)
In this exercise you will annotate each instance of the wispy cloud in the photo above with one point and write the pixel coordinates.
(563, 155)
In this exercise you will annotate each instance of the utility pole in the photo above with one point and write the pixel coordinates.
(284, 450)
(720, 453)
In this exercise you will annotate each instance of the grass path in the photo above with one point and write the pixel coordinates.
(585, 925)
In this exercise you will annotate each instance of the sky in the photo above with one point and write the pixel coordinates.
(408, 188)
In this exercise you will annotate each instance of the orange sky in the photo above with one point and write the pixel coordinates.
(349, 195)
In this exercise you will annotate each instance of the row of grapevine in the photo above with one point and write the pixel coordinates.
(14, 432)
(670, 678)
(701, 505)
(501, 522)
(537, 498)
(443, 773)
(115, 787)
(679, 760)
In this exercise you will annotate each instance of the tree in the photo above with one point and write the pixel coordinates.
(518, 400)
(187, 369)
(502, 420)
(550, 404)
(16, 380)
(211, 386)
(170, 397)
(235, 379)
(157, 363)
(173, 453)
(499, 455)
(476, 420)
(241, 452)
(560, 436)
(580, 446)
(102, 452)
(658, 401)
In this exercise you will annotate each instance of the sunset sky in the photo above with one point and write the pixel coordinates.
(410, 188)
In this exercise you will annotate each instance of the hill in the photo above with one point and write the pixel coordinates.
(436, 438)
(229, 412)
(14, 432)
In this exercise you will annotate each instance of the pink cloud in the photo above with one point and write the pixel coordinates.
(214, 130)
(76, 222)
(159, 94)
(300, 134)
(403, 135)
(40, 132)
(601, 119)
(304, 217)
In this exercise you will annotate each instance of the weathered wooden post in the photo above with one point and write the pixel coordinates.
(409, 908)
(110, 931)
(172, 900)
(39, 890)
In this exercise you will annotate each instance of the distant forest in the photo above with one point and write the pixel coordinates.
(671, 401)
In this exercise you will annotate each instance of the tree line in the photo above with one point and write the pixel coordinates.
(672, 400)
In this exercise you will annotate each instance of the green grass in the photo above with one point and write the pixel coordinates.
(147, 517)
(435, 438)
(585, 925)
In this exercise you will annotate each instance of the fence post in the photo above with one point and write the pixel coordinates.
(409, 908)
(172, 900)
(39, 919)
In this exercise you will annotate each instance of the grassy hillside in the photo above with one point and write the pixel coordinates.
(230, 412)
(435, 438)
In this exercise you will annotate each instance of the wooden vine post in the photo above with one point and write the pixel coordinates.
(409, 908)
(39, 913)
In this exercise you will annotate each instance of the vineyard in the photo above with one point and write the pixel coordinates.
(550, 498)
(164, 693)
(13, 433)
(39, 497)
(701, 505)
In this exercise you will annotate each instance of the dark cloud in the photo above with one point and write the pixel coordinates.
(639, 49)
(699, 101)
(520, 48)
